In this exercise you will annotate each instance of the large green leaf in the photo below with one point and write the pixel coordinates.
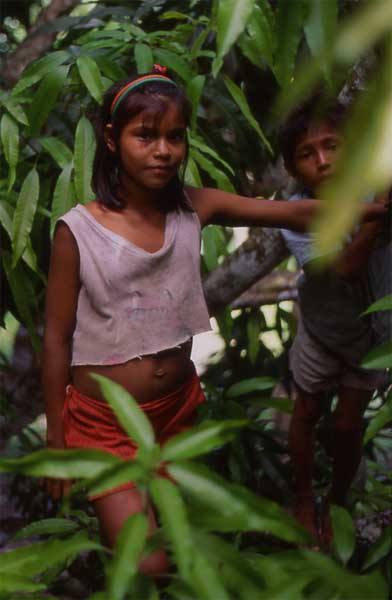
(128, 412)
(192, 175)
(37, 558)
(114, 476)
(343, 533)
(91, 77)
(83, 160)
(368, 153)
(64, 197)
(382, 418)
(197, 142)
(10, 139)
(194, 90)
(143, 58)
(206, 581)
(15, 109)
(57, 150)
(381, 304)
(239, 97)
(241, 509)
(214, 172)
(173, 62)
(233, 15)
(110, 68)
(380, 549)
(201, 439)
(23, 296)
(45, 98)
(320, 27)
(172, 512)
(47, 527)
(379, 358)
(261, 33)
(256, 384)
(39, 68)
(14, 582)
(60, 464)
(129, 548)
(25, 210)
(211, 237)
(290, 18)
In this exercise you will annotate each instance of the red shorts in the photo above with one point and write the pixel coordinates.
(90, 423)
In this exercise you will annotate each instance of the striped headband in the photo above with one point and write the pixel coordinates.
(119, 97)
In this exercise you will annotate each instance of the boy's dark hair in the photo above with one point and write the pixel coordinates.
(316, 109)
(153, 96)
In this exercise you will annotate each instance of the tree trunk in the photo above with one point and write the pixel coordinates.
(36, 43)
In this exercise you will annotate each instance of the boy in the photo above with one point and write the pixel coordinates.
(332, 337)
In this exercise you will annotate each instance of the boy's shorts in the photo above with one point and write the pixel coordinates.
(316, 370)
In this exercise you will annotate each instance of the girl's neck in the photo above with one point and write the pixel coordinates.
(139, 199)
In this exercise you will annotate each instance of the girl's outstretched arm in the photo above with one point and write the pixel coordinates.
(60, 316)
(222, 208)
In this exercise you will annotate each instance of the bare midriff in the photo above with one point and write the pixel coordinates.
(147, 378)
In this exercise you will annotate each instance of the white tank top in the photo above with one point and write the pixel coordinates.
(133, 302)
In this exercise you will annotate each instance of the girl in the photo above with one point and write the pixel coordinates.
(124, 297)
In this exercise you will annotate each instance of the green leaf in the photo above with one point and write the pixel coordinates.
(60, 464)
(128, 412)
(143, 58)
(91, 77)
(214, 172)
(57, 150)
(211, 239)
(129, 547)
(381, 304)
(256, 384)
(206, 580)
(194, 90)
(382, 418)
(110, 68)
(232, 18)
(39, 68)
(343, 533)
(236, 506)
(172, 512)
(15, 109)
(64, 197)
(13, 582)
(290, 19)
(37, 558)
(380, 549)
(192, 175)
(197, 142)
(239, 97)
(366, 152)
(24, 214)
(201, 439)
(379, 358)
(253, 332)
(320, 28)
(261, 32)
(22, 293)
(46, 527)
(173, 62)
(10, 140)
(45, 99)
(117, 475)
(83, 160)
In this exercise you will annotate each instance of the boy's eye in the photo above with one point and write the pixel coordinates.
(177, 136)
(144, 134)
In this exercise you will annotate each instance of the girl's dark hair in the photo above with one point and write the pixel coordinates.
(153, 96)
(316, 109)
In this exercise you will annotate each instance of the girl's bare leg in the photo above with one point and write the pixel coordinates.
(113, 510)
(308, 409)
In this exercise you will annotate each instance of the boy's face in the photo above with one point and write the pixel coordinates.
(316, 154)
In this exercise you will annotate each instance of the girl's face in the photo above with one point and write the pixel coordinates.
(151, 150)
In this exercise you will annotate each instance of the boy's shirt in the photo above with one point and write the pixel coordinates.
(330, 305)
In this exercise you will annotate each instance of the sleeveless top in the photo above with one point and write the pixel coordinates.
(133, 302)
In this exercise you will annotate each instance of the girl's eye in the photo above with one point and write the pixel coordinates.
(144, 134)
(178, 136)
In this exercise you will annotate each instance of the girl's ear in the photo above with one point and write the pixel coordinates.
(108, 135)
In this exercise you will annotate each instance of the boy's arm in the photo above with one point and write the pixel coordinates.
(354, 257)
(60, 315)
